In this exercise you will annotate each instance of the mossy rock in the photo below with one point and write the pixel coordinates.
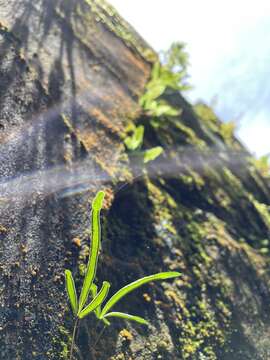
(71, 74)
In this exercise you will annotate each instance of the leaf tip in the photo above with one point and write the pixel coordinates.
(98, 200)
(175, 274)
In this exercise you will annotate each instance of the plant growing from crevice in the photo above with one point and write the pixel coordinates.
(134, 142)
(262, 164)
(150, 101)
(227, 130)
(91, 300)
(170, 73)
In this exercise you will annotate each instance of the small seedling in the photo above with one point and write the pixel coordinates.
(170, 73)
(152, 154)
(135, 141)
(90, 289)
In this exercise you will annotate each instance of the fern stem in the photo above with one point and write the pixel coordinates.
(99, 336)
(73, 338)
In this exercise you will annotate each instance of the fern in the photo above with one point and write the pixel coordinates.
(152, 154)
(168, 73)
(134, 141)
(134, 285)
(79, 309)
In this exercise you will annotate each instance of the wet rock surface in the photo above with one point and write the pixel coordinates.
(71, 73)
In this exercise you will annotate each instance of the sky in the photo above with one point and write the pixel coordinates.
(229, 47)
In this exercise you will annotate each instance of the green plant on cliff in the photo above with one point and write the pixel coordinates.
(134, 142)
(90, 290)
(227, 131)
(169, 73)
(262, 164)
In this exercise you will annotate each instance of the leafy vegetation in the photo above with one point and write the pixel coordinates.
(90, 289)
(170, 73)
(208, 116)
(227, 130)
(134, 142)
(152, 154)
(263, 165)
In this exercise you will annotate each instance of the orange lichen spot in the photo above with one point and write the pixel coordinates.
(140, 65)
(173, 296)
(105, 121)
(88, 138)
(76, 241)
(109, 165)
(147, 297)
(126, 334)
(109, 196)
(3, 229)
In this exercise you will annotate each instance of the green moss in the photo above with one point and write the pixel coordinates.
(262, 209)
(200, 330)
(65, 346)
(197, 330)
(107, 14)
(222, 198)
(227, 132)
(191, 136)
(197, 179)
(234, 183)
(62, 343)
(262, 165)
(207, 115)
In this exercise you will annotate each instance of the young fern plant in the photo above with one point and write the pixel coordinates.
(90, 289)
(135, 141)
(78, 306)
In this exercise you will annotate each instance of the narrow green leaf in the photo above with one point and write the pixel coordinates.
(152, 154)
(134, 285)
(98, 200)
(94, 249)
(152, 107)
(71, 291)
(93, 291)
(97, 301)
(166, 110)
(106, 322)
(139, 133)
(138, 319)
(155, 71)
(135, 141)
(155, 90)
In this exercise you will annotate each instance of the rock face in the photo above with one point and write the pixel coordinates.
(71, 73)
